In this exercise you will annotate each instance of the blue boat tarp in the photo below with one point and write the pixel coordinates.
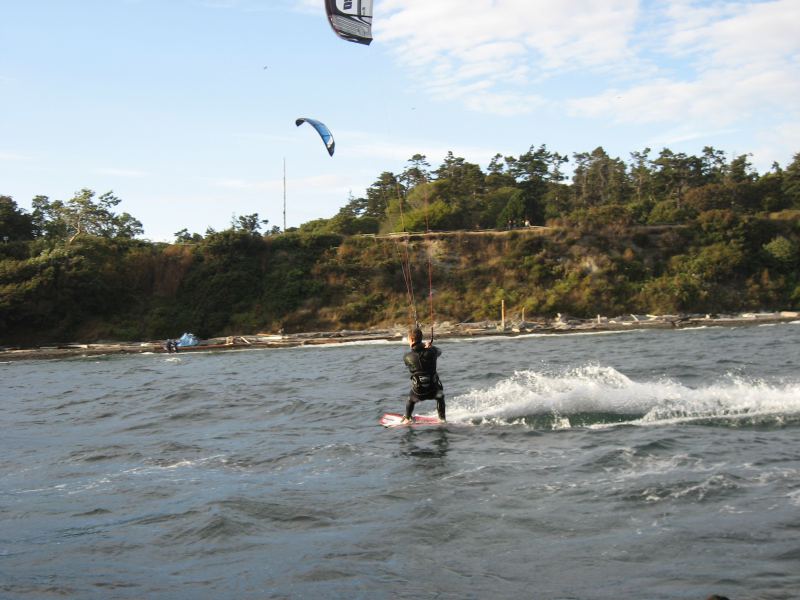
(187, 339)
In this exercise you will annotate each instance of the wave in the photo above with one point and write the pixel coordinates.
(599, 396)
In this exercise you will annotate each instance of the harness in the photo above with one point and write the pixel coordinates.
(424, 380)
(423, 384)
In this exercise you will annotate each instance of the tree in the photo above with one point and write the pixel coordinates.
(184, 237)
(513, 214)
(556, 202)
(717, 262)
(769, 190)
(641, 181)
(741, 170)
(599, 179)
(47, 222)
(82, 215)
(708, 197)
(380, 193)
(497, 174)
(533, 171)
(417, 173)
(15, 223)
(460, 182)
(248, 223)
(791, 182)
(493, 203)
(782, 252)
(348, 222)
(675, 174)
(713, 165)
(355, 207)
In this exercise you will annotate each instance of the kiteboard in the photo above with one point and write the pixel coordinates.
(396, 420)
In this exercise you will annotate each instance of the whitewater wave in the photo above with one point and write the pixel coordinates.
(601, 396)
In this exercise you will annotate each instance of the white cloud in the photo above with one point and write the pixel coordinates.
(562, 34)
(690, 65)
(737, 60)
(717, 98)
(485, 52)
(735, 34)
(682, 134)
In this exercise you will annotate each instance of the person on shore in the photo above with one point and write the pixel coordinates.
(425, 383)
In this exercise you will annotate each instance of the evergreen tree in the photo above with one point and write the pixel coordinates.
(533, 171)
(82, 215)
(791, 182)
(675, 174)
(417, 173)
(599, 179)
(15, 223)
(386, 189)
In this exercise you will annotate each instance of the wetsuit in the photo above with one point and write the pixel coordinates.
(425, 384)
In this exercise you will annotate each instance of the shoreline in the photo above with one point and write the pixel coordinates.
(558, 326)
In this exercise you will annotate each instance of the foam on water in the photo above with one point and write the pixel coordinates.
(598, 396)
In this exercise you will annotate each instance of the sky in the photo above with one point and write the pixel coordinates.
(186, 109)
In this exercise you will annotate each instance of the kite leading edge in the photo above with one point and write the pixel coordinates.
(322, 130)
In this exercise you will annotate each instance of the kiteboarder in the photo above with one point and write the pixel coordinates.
(425, 384)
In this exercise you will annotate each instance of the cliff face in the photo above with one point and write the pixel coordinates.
(537, 271)
(237, 283)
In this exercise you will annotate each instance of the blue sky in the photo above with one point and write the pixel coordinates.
(186, 108)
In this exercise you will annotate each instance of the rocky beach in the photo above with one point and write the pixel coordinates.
(561, 324)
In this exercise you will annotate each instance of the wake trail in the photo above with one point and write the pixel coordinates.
(597, 396)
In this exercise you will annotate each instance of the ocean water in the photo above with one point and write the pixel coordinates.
(641, 464)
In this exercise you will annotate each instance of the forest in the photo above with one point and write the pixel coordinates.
(545, 233)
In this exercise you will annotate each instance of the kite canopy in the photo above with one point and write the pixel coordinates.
(351, 19)
(322, 130)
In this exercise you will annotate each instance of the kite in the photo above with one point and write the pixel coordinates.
(351, 19)
(322, 130)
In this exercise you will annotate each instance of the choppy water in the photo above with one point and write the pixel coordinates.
(651, 465)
